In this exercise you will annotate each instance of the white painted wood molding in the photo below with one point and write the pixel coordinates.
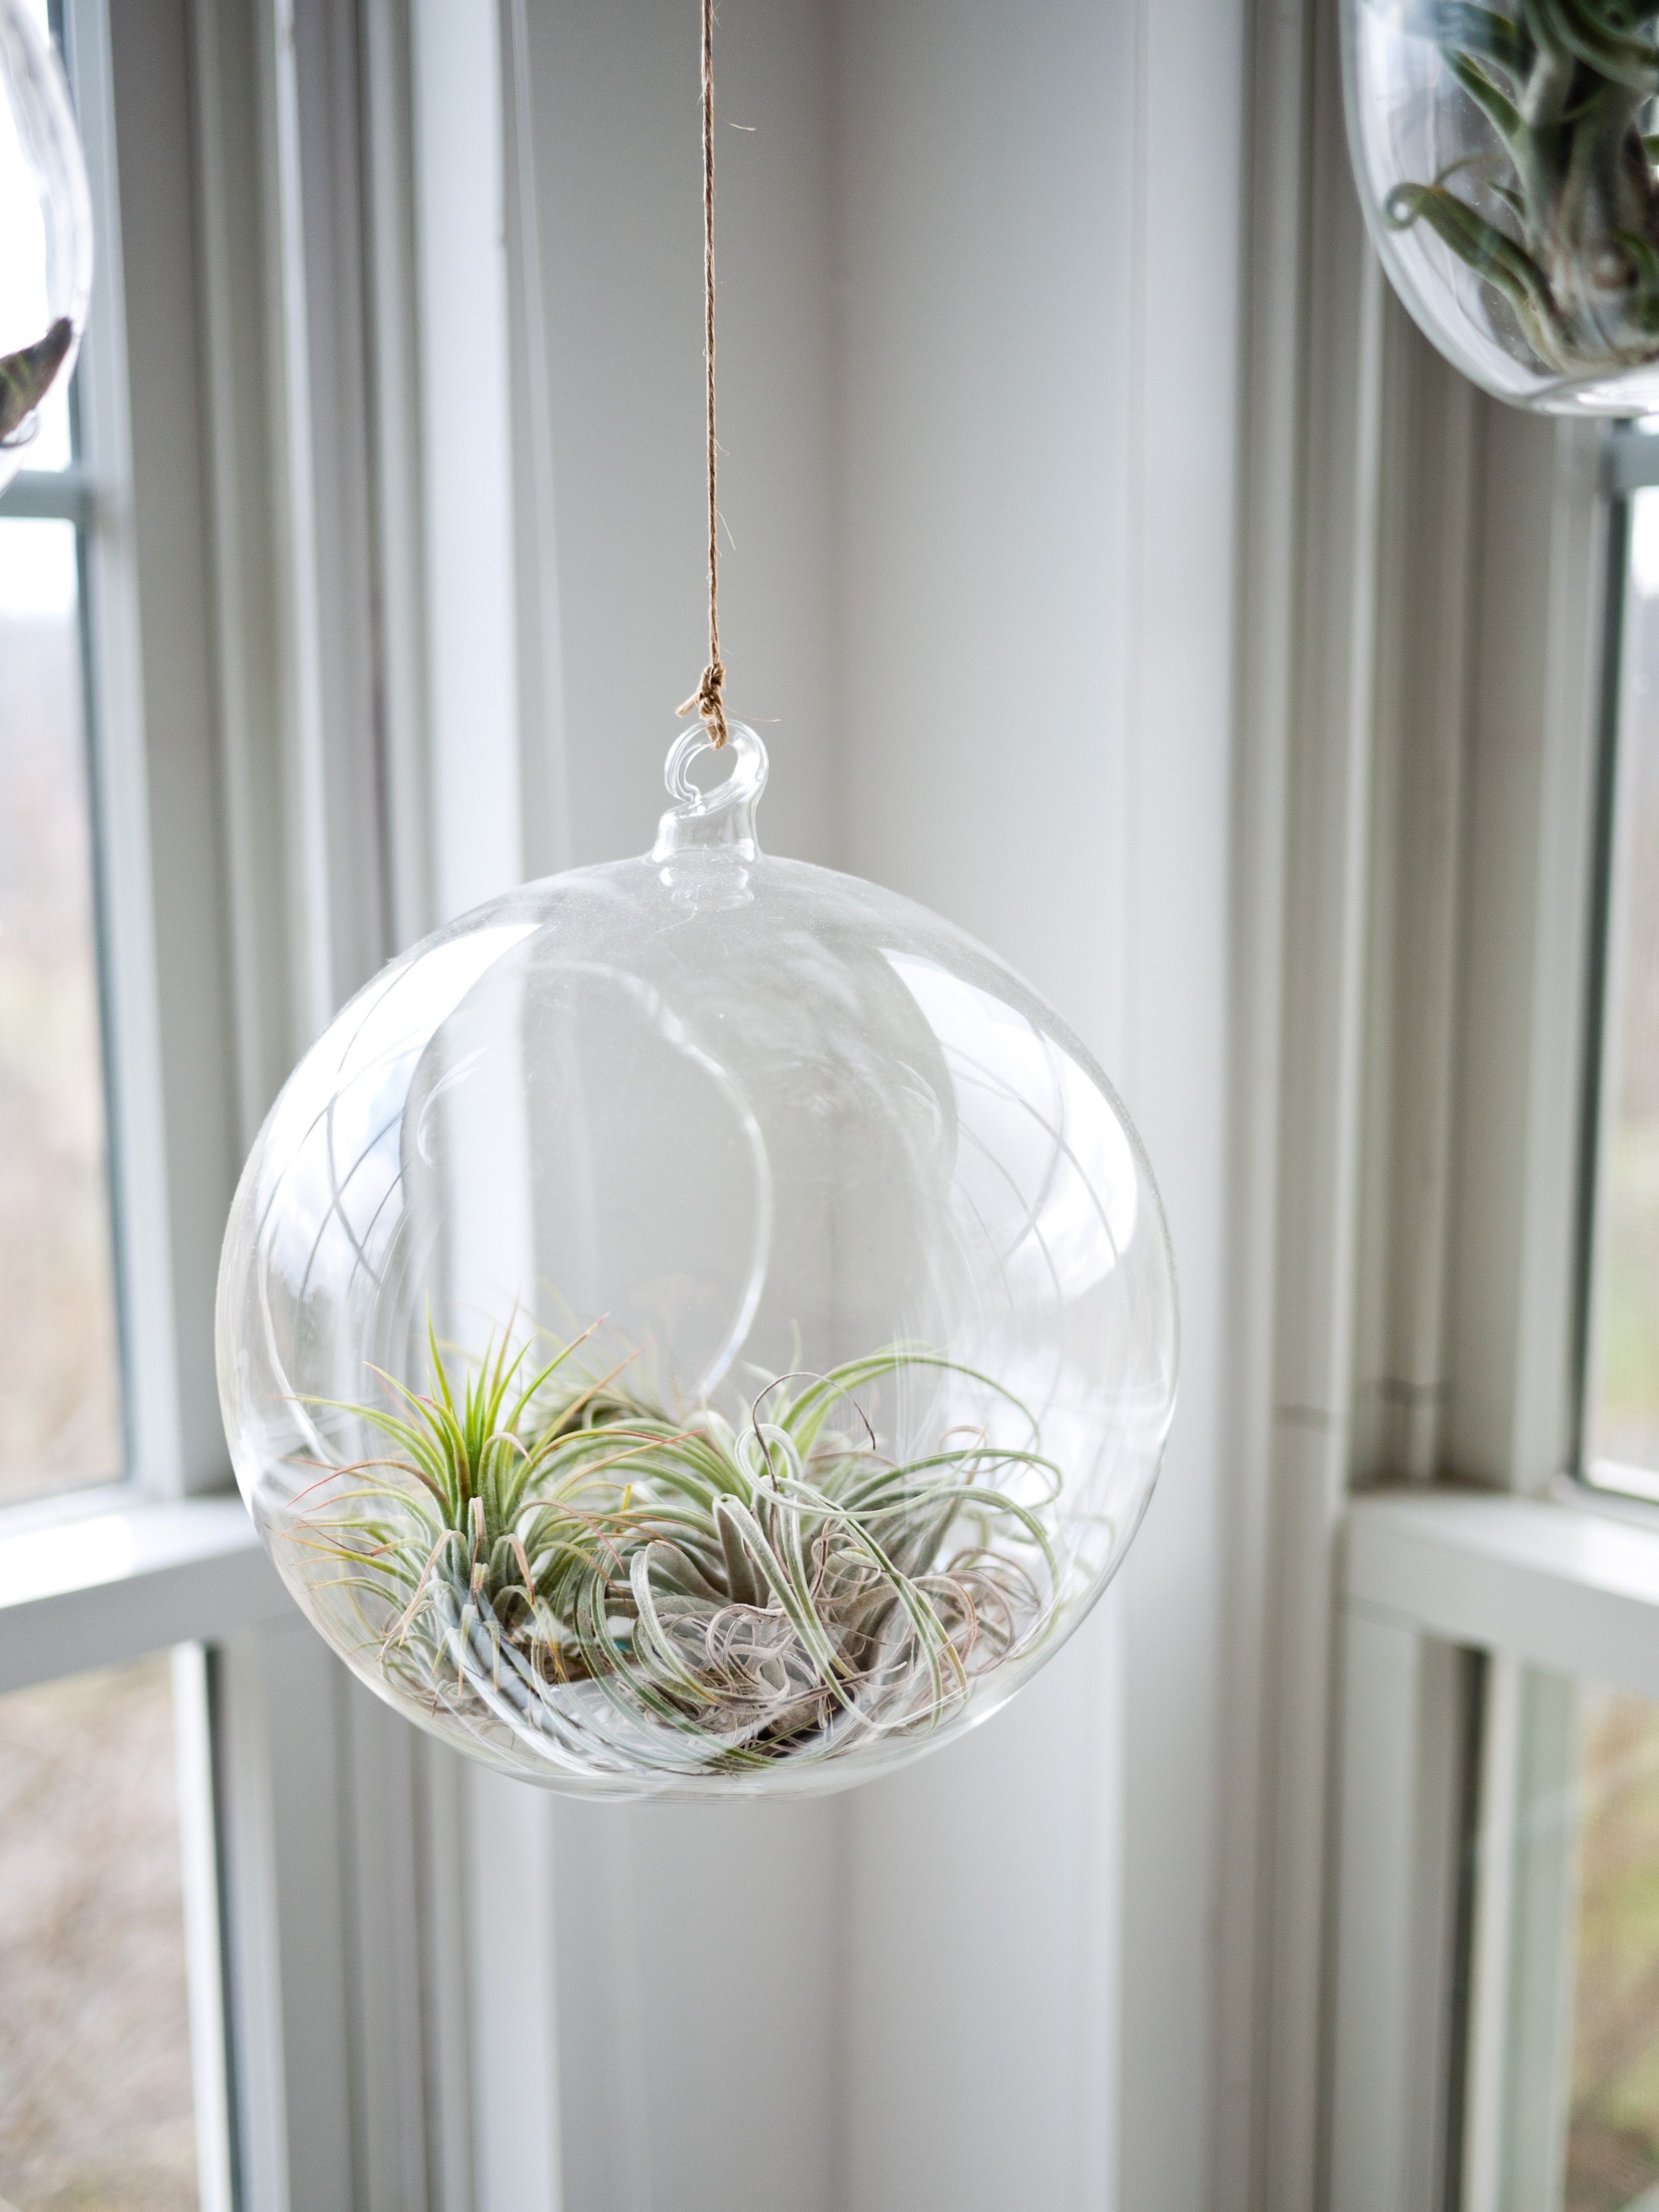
(1550, 1581)
(92, 1589)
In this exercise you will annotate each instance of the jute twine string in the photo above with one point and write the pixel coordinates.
(706, 701)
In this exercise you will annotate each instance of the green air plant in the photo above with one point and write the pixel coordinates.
(562, 1563)
(26, 377)
(1561, 216)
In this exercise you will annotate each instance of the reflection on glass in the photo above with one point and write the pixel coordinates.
(95, 2098)
(1623, 1403)
(24, 310)
(59, 1387)
(52, 446)
(1613, 2139)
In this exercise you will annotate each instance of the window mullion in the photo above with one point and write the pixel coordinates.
(1403, 1697)
(276, 1702)
(203, 1930)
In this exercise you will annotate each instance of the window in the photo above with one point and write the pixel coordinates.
(1565, 2097)
(1621, 1413)
(1498, 1841)
(1613, 1806)
(60, 1394)
(108, 1915)
(97, 2103)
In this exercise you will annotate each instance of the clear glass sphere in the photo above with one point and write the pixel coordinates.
(45, 230)
(698, 1325)
(1500, 157)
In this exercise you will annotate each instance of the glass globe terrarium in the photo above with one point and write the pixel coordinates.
(697, 1325)
(1501, 160)
(45, 230)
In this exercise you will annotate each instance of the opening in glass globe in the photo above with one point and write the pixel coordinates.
(1511, 192)
(700, 1324)
(45, 230)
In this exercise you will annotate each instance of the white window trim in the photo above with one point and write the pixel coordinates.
(96, 1588)
(1556, 1582)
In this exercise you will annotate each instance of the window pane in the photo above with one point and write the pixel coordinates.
(60, 1386)
(1613, 2144)
(1564, 2047)
(1623, 1410)
(95, 2095)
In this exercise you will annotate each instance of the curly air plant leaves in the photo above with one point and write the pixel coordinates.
(1569, 233)
(563, 1565)
(26, 377)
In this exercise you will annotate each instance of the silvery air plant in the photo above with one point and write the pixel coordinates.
(758, 1593)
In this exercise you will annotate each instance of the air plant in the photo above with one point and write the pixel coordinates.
(558, 1561)
(26, 377)
(1561, 216)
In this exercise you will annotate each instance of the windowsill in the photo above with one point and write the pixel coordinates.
(1615, 1481)
(98, 1588)
(1552, 1583)
(64, 495)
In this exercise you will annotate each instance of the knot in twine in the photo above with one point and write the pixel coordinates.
(708, 705)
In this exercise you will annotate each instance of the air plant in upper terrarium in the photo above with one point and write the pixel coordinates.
(1510, 187)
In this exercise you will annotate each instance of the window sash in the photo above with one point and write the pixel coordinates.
(1557, 1584)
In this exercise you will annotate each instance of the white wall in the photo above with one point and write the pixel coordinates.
(1040, 250)
(986, 251)
(979, 267)
(697, 1947)
(618, 161)
(1175, 1068)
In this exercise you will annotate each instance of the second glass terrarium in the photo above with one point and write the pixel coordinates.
(45, 230)
(698, 1324)
(1504, 158)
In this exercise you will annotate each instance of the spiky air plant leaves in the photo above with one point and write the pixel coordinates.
(1561, 219)
(561, 1562)
(26, 377)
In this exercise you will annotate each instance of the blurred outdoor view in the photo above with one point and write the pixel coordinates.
(1624, 1408)
(1613, 2147)
(1613, 2144)
(95, 2096)
(60, 1414)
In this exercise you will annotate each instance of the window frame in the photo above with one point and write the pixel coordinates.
(1407, 1171)
(1628, 467)
(156, 1535)
(1545, 1570)
(235, 490)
